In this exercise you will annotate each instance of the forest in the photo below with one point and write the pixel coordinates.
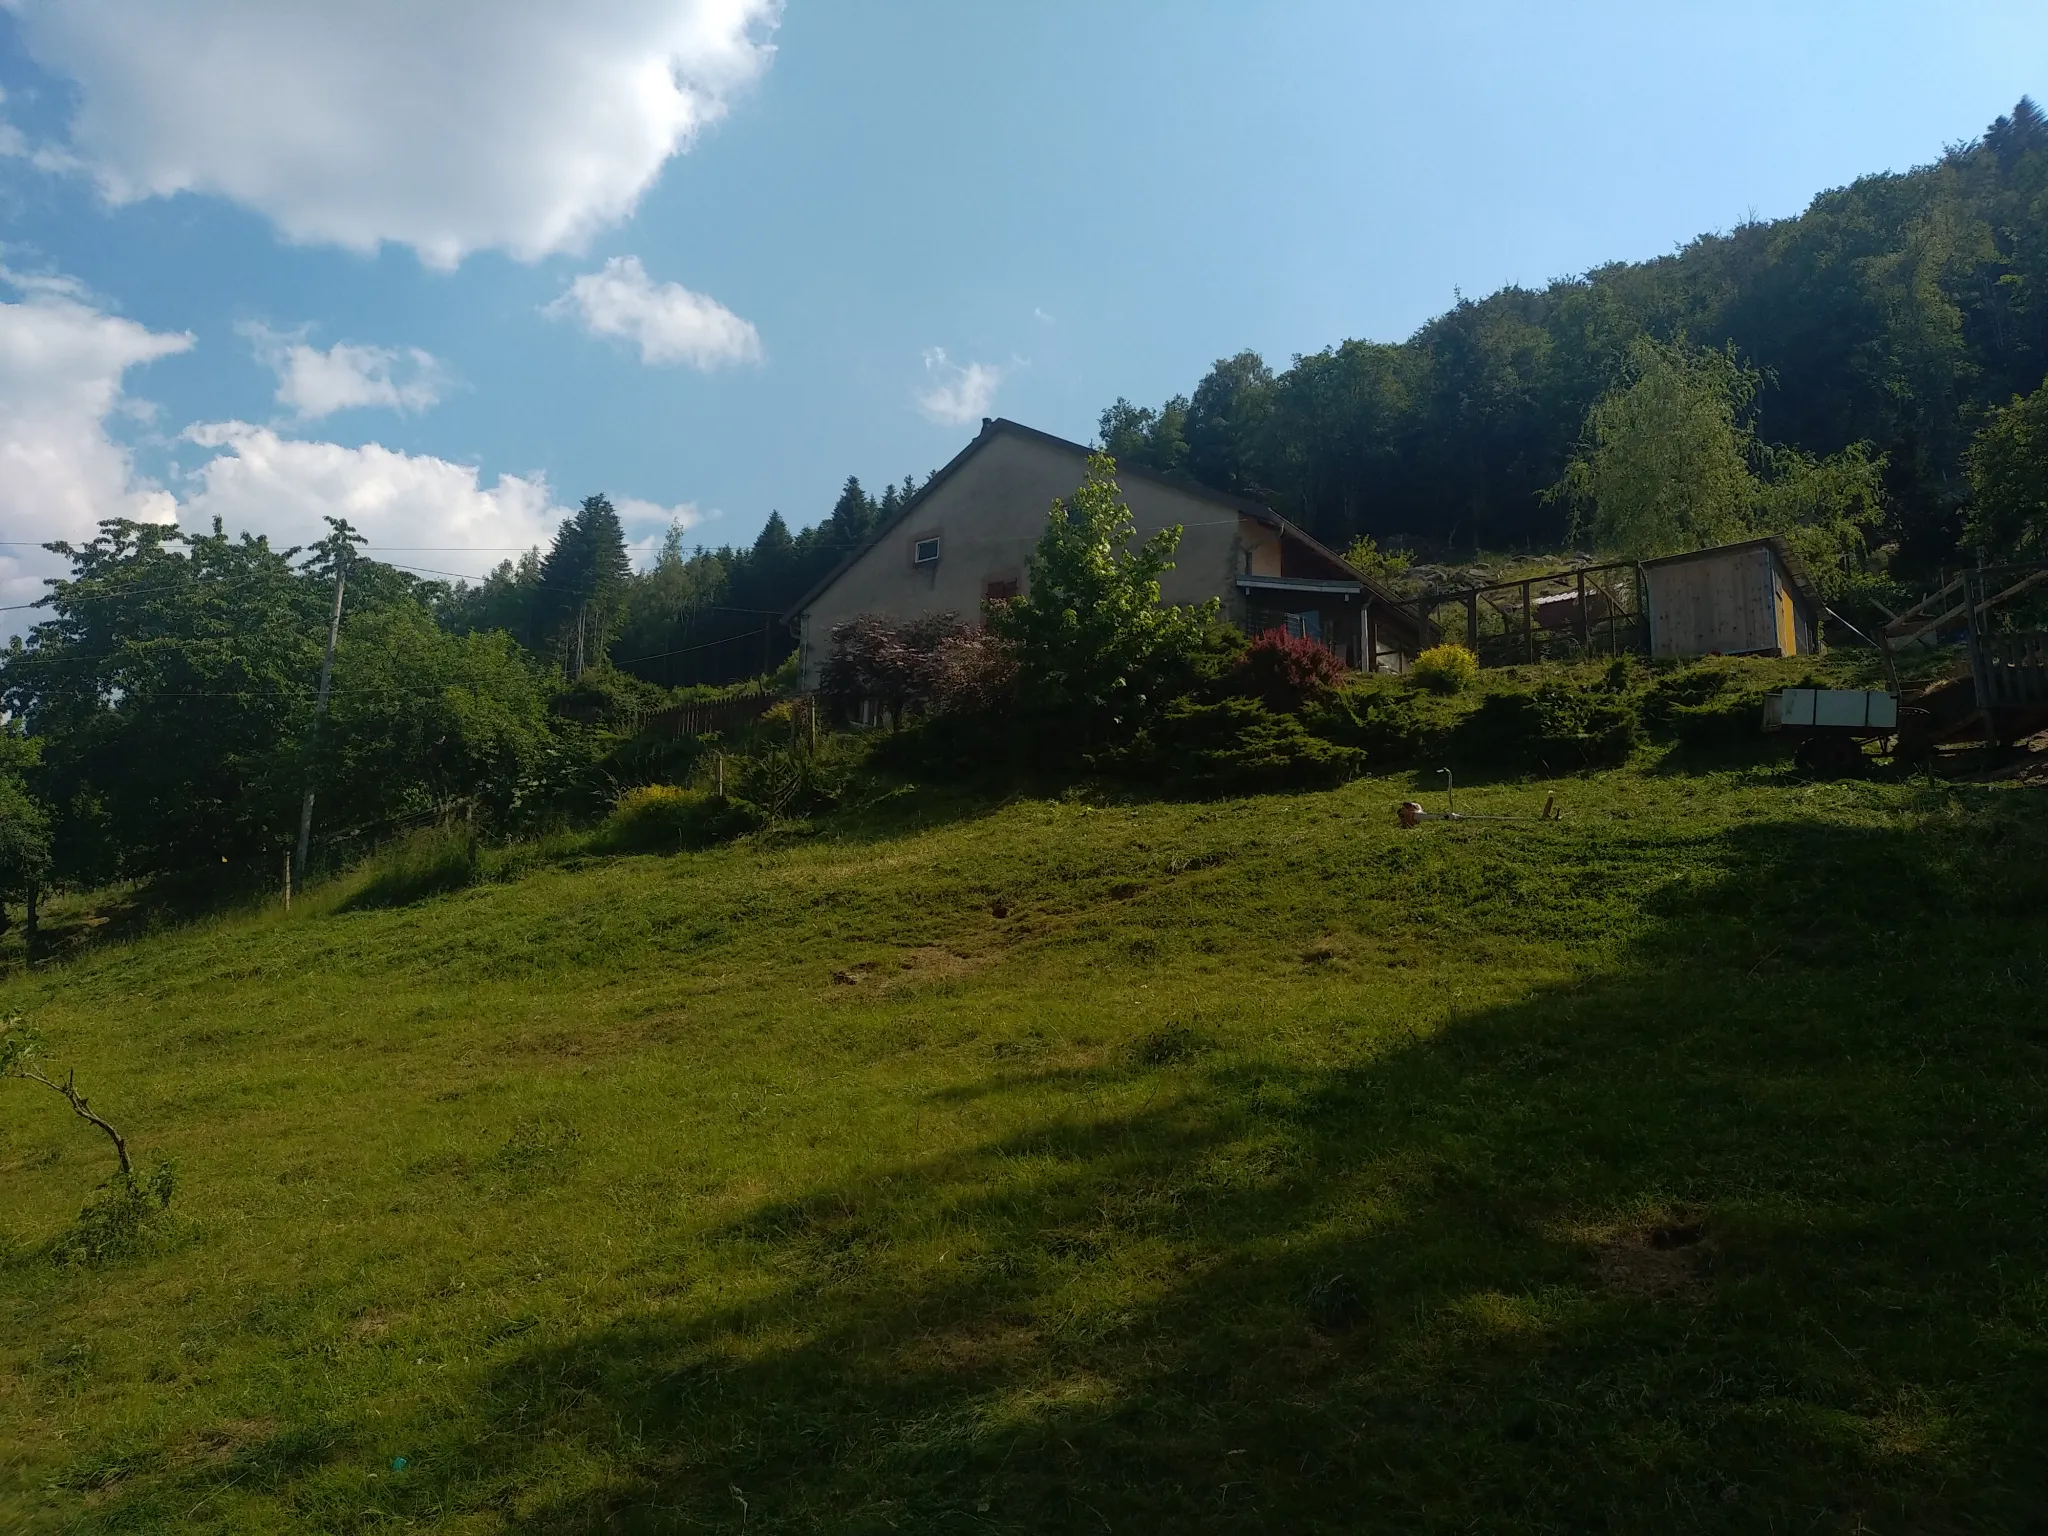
(1866, 378)
(1900, 315)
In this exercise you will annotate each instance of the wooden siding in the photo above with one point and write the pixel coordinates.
(1733, 603)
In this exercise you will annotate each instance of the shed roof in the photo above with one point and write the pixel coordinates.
(1802, 578)
(993, 427)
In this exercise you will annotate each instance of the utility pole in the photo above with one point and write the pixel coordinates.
(342, 542)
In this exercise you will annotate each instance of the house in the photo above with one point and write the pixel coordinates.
(1754, 598)
(965, 539)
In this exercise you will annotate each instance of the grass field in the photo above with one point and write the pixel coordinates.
(1054, 1165)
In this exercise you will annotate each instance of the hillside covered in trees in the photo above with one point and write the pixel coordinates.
(1898, 313)
(1849, 358)
(1866, 378)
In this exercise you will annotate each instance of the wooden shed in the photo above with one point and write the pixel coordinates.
(1747, 599)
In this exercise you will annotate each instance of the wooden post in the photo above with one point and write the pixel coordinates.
(287, 879)
(1529, 618)
(341, 562)
(1585, 623)
(1472, 620)
(718, 772)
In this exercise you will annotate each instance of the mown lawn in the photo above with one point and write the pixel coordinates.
(1679, 1166)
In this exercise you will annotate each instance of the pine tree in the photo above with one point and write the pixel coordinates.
(583, 582)
(2011, 137)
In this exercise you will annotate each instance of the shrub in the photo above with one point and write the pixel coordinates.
(122, 1217)
(783, 781)
(1703, 706)
(1381, 721)
(422, 864)
(1097, 651)
(1238, 744)
(1286, 671)
(1446, 669)
(892, 663)
(660, 818)
(1555, 728)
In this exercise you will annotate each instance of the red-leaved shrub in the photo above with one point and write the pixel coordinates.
(1286, 671)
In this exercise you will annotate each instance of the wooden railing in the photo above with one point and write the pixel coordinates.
(1569, 615)
(2015, 669)
(709, 717)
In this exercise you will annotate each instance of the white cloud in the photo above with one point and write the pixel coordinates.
(668, 322)
(958, 396)
(312, 383)
(449, 126)
(62, 363)
(635, 513)
(285, 486)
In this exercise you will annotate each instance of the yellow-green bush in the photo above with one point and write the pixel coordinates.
(660, 818)
(1446, 669)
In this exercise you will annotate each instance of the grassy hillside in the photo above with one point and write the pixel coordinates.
(1677, 1166)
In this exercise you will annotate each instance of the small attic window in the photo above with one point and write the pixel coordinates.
(925, 552)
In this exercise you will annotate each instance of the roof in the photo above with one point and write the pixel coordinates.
(1802, 578)
(997, 426)
(1299, 584)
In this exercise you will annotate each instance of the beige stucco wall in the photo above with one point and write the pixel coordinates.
(987, 516)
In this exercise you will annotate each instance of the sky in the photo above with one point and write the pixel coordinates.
(445, 267)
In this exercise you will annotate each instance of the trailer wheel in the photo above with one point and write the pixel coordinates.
(1831, 757)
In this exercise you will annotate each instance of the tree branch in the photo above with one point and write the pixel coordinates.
(82, 1108)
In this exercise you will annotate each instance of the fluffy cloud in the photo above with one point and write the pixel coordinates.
(449, 126)
(666, 321)
(312, 383)
(957, 396)
(62, 363)
(404, 502)
(652, 515)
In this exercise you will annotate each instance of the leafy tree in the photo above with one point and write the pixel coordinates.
(1664, 463)
(1387, 565)
(1143, 438)
(423, 721)
(1825, 508)
(2008, 468)
(170, 688)
(508, 599)
(1226, 421)
(24, 824)
(1094, 644)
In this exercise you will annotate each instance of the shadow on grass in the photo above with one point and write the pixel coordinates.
(1741, 1234)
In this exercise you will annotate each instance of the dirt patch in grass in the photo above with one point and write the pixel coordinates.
(1664, 1258)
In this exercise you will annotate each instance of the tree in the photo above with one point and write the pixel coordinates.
(2012, 136)
(424, 721)
(1226, 418)
(170, 689)
(24, 826)
(583, 583)
(1094, 644)
(2008, 469)
(1664, 462)
(1143, 438)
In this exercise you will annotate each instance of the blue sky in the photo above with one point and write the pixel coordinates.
(449, 267)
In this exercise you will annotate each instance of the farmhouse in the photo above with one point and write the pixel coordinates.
(966, 537)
